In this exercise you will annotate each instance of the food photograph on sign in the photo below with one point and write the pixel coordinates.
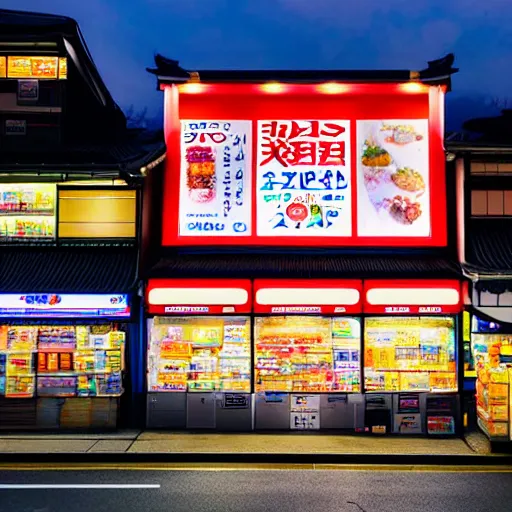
(393, 178)
(215, 178)
(303, 178)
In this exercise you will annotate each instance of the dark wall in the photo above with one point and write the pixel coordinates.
(151, 223)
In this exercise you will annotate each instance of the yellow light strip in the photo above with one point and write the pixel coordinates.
(256, 467)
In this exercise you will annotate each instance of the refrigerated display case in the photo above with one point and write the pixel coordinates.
(410, 354)
(199, 354)
(311, 354)
(492, 351)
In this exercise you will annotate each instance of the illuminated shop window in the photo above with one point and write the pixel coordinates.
(307, 354)
(27, 211)
(61, 360)
(199, 354)
(410, 354)
(36, 67)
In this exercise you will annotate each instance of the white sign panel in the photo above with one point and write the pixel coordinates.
(215, 178)
(54, 305)
(304, 178)
(393, 192)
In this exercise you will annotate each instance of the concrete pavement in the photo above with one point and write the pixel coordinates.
(151, 442)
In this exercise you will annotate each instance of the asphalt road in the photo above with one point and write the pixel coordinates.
(248, 491)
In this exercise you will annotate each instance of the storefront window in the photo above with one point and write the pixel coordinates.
(492, 349)
(313, 354)
(61, 360)
(410, 354)
(199, 354)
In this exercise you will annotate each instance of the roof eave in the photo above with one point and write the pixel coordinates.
(476, 148)
(438, 72)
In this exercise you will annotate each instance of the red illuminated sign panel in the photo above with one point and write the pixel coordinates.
(198, 296)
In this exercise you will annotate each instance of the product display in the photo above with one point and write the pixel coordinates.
(492, 352)
(199, 354)
(27, 211)
(410, 354)
(61, 360)
(313, 354)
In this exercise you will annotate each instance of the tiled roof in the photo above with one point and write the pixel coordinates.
(304, 266)
(489, 246)
(69, 270)
(129, 155)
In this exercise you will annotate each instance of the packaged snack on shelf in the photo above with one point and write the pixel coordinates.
(20, 386)
(56, 386)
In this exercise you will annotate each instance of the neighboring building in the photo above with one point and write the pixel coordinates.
(483, 168)
(71, 185)
(306, 276)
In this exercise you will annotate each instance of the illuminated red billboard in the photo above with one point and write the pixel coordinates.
(338, 165)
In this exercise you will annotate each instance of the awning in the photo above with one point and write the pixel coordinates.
(198, 296)
(401, 296)
(68, 271)
(315, 265)
(285, 296)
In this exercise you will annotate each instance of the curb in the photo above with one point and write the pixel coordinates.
(255, 458)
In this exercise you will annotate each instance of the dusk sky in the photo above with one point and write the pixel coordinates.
(124, 35)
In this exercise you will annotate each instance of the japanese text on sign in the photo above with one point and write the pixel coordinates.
(215, 178)
(303, 178)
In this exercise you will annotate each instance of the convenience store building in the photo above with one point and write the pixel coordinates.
(304, 278)
(70, 201)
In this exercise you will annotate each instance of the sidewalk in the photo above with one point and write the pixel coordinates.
(197, 443)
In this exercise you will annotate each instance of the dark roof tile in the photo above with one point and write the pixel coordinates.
(70, 270)
(489, 246)
(304, 266)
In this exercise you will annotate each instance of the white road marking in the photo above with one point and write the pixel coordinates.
(79, 486)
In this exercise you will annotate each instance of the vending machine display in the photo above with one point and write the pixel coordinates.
(307, 354)
(199, 354)
(410, 354)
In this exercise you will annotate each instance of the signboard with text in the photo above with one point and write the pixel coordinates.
(303, 178)
(51, 305)
(215, 193)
